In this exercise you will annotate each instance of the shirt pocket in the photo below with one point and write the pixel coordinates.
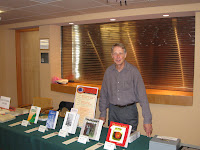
(127, 85)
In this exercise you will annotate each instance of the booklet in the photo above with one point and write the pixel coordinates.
(34, 114)
(92, 128)
(118, 133)
(70, 122)
(52, 119)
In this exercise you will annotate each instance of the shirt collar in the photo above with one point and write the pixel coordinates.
(126, 66)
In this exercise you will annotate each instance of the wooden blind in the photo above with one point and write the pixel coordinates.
(162, 50)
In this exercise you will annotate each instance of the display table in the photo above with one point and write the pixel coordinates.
(12, 138)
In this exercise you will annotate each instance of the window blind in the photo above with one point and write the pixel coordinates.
(161, 49)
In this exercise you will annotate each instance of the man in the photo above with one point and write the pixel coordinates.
(121, 89)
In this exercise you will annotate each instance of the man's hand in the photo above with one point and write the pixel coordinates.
(148, 129)
(104, 119)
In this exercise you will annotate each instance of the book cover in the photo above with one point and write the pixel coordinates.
(34, 114)
(118, 133)
(92, 128)
(52, 119)
(70, 122)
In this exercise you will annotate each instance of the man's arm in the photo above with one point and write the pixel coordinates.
(141, 94)
(103, 118)
(103, 101)
(148, 129)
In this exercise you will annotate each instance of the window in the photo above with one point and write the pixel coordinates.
(161, 49)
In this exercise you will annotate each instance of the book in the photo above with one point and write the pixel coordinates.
(70, 122)
(52, 119)
(119, 133)
(92, 128)
(34, 114)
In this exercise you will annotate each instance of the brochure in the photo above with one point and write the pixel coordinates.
(52, 119)
(70, 122)
(92, 128)
(34, 114)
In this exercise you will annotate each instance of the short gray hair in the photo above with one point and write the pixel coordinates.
(118, 45)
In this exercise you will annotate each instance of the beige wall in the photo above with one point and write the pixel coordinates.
(8, 80)
(177, 121)
(47, 71)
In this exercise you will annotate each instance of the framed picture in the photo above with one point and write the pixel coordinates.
(44, 44)
(44, 57)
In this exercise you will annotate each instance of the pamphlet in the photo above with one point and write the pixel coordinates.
(34, 114)
(70, 122)
(52, 119)
(92, 128)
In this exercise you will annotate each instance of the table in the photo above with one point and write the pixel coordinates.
(14, 138)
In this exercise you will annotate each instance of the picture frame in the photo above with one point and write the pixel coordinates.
(44, 57)
(44, 44)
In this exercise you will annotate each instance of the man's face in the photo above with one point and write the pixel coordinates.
(118, 55)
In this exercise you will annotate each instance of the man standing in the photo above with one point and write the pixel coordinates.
(121, 89)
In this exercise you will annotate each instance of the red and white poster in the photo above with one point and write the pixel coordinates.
(85, 101)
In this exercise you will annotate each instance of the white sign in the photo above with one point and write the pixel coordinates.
(25, 123)
(5, 102)
(83, 139)
(109, 146)
(63, 133)
(42, 128)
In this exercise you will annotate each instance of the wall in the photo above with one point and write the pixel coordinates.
(8, 80)
(175, 121)
(47, 71)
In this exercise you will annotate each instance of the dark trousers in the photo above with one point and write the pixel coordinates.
(126, 115)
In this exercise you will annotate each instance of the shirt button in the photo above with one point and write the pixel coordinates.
(118, 99)
(117, 90)
(117, 82)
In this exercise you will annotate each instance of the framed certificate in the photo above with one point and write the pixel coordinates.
(44, 44)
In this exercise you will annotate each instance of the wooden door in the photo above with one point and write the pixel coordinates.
(29, 61)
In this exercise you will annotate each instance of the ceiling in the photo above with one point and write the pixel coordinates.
(16, 11)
